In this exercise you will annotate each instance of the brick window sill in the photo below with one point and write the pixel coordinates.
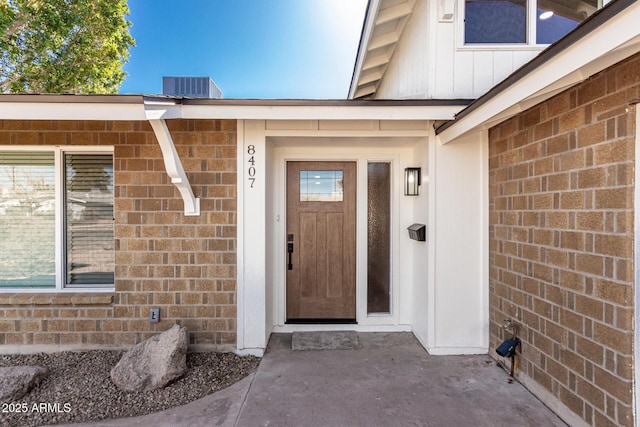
(66, 298)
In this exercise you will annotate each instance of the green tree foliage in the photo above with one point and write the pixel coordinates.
(63, 46)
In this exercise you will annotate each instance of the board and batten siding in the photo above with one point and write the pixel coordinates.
(406, 76)
(430, 60)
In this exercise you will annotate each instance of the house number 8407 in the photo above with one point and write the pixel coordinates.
(251, 151)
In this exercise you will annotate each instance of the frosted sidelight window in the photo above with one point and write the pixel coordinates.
(89, 219)
(27, 219)
(379, 237)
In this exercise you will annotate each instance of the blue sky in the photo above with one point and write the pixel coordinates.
(250, 48)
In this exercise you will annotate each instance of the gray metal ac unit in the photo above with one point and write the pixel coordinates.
(190, 87)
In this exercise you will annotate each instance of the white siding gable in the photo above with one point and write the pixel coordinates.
(432, 62)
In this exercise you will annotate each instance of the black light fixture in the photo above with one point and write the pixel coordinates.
(411, 181)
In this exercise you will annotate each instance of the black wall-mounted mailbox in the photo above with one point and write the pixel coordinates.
(418, 232)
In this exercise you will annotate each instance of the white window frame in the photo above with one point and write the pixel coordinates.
(59, 152)
(531, 32)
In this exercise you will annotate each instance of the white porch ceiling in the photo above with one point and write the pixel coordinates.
(383, 27)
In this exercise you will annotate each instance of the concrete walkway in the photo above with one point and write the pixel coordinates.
(389, 380)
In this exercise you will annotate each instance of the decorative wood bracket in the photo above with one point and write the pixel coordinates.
(174, 167)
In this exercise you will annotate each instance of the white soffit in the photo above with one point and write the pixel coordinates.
(383, 27)
(611, 42)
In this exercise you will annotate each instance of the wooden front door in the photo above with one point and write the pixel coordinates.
(321, 239)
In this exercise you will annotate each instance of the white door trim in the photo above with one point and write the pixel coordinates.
(381, 322)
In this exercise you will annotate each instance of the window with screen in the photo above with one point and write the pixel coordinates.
(89, 219)
(49, 196)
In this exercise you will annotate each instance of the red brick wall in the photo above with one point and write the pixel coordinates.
(184, 265)
(561, 242)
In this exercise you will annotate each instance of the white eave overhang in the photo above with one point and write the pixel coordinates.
(382, 29)
(309, 110)
(104, 107)
(141, 107)
(72, 107)
(609, 36)
(157, 109)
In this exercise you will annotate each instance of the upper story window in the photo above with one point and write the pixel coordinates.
(56, 219)
(514, 22)
(495, 21)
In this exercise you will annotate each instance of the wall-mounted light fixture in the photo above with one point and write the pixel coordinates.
(411, 181)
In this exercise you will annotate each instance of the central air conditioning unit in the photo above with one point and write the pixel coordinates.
(190, 87)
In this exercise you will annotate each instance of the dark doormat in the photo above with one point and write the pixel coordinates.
(344, 340)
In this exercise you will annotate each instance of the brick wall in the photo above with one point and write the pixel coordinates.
(561, 242)
(184, 265)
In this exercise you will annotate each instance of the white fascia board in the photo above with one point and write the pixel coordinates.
(583, 54)
(161, 111)
(369, 25)
(71, 111)
(298, 112)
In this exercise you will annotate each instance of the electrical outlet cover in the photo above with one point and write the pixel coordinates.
(154, 315)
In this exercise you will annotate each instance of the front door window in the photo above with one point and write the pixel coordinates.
(321, 186)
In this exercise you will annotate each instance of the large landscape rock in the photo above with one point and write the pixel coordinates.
(153, 363)
(16, 381)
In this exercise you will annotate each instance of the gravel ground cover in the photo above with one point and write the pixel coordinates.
(79, 389)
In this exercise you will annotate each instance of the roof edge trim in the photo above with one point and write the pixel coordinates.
(360, 46)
